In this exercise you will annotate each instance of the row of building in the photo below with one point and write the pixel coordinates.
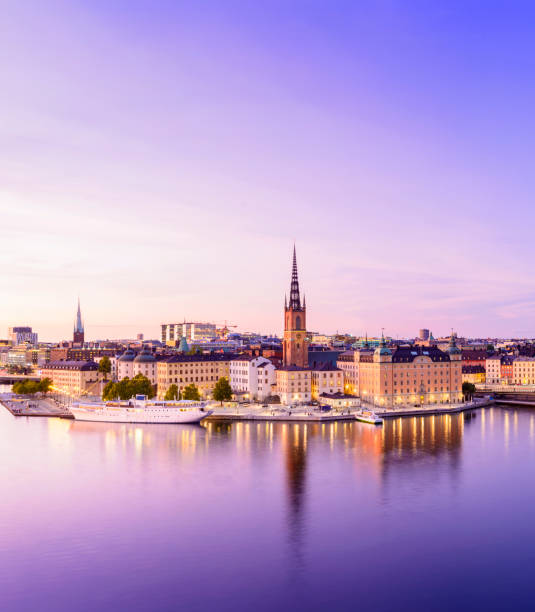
(381, 375)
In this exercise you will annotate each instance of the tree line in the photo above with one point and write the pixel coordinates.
(141, 385)
(31, 387)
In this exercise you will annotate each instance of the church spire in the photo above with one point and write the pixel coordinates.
(79, 326)
(295, 300)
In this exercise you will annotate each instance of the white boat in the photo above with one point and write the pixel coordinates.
(141, 410)
(368, 416)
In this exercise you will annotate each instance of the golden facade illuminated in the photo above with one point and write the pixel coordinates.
(410, 375)
(201, 370)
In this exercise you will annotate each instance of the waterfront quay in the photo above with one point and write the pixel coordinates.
(33, 407)
(48, 407)
(258, 412)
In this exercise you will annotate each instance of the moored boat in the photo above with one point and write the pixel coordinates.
(368, 416)
(141, 410)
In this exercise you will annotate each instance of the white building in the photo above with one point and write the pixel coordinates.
(493, 370)
(125, 365)
(252, 375)
(128, 364)
(173, 332)
(349, 364)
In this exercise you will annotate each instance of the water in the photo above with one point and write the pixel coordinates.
(431, 513)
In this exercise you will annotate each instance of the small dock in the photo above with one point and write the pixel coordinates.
(33, 407)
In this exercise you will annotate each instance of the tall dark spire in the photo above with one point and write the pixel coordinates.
(295, 300)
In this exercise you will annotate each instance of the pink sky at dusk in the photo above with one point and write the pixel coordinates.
(159, 160)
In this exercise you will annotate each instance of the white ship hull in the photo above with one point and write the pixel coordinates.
(369, 417)
(138, 412)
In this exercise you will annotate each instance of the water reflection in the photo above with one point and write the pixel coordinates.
(272, 513)
(406, 439)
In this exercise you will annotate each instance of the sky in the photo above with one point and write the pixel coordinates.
(159, 159)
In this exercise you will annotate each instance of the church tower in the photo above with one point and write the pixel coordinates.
(78, 333)
(295, 350)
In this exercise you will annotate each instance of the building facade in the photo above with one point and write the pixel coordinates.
(192, 331)
(201, 370)
(474, 374)
(510, 370)
(294, 385)
(411, 375)
(19, 335)
(74, 378)
(252, 376)
(326, 379)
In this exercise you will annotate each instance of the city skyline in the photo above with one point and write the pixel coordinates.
(160, 162)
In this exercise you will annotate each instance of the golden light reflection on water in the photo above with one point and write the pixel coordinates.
(367, 442)
(506, 429)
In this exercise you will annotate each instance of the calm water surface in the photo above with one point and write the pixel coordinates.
(431, 513)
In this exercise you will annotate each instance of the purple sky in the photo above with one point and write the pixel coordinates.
(159, 159)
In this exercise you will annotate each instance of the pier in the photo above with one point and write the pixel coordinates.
(33, 407)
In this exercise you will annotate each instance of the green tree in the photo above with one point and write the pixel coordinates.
(192, 393)
(222, 390)
(110, 391)
(171, 393)
(490, 348)
(104, 366)
(127, 388)
(26, 387)
(44, 385)
(468, 389)
(123, 389)
(141, 385)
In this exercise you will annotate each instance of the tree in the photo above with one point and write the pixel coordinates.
(26, 387)
(222, 390)
(490, 348)
(44, 385)
(123, 389)
(141, 385)
(104, 366)
(194, 350)
(127, 388)
(192, 393)
(171, 393)
(110, 391)
(468, 389)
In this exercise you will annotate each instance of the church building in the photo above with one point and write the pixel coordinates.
(294, 378)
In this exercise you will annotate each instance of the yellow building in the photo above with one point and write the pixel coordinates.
(411, 375)
(74, 378)
(474, 374)
(201, 370)
(294, 384)
(524, 371)
(326, 379)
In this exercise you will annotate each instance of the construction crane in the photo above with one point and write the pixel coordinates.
(223, 331)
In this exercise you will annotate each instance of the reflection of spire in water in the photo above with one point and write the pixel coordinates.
(294, 445)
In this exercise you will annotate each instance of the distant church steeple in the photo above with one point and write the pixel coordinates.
(78, 333)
